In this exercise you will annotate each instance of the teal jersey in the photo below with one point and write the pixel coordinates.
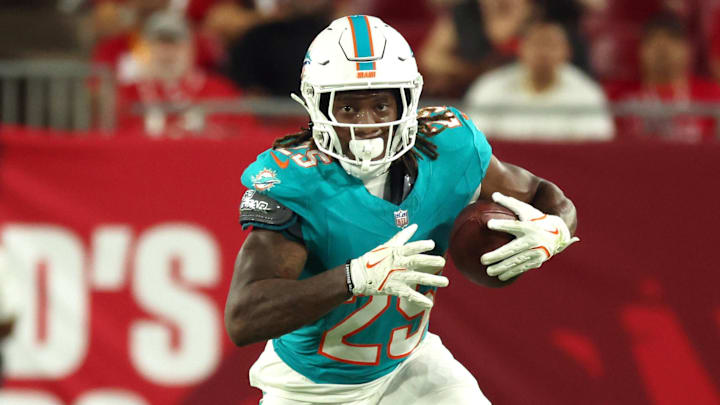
(366, 337)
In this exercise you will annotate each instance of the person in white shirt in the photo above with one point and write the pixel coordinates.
(542, 96)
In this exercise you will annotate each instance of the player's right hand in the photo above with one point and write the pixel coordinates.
(396, 267)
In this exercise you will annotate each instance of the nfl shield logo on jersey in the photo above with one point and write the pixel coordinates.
(401, 218)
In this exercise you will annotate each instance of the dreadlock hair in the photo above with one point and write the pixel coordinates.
(296, 139)
(429, 125)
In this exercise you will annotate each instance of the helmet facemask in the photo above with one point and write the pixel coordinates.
(366, 157)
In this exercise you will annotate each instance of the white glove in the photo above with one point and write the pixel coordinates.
(538, 237)
(396, 267)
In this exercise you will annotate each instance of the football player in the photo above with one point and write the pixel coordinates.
(350, 220)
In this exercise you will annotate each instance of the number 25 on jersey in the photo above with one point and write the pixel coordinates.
(401, 342)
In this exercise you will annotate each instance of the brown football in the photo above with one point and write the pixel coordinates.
(470, 238)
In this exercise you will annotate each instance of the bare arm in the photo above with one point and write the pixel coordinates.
(438, 52)
(267, 300)
(514, 181)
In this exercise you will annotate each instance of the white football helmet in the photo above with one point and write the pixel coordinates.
(360, 53)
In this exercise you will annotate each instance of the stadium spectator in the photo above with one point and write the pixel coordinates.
(541, 79)
(168, 75)
(667, 80)
(614, 30)
(475, 36)
(111, 18)
(479, 35)
(125, 52)
(259, 71)
(227, 20)
(571, 13)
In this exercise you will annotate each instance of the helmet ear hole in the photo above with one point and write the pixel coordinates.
(399, 102)
(408, 100)
(325, 105)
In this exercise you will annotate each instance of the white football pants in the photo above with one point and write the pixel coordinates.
(430, 376)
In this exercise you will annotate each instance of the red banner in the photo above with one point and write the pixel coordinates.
(124, 249)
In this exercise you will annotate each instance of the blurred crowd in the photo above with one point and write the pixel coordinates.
(523, 69)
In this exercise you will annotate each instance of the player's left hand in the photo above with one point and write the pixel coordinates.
(538, 237)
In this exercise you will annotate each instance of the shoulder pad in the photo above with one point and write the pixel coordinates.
(257, 208)
(285, 174)
(441, 118)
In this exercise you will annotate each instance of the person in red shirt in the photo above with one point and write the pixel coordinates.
(167, 76)
(615, 27)
(123, 50)
(666, 62)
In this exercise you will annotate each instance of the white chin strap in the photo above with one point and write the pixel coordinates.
(366, 150)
